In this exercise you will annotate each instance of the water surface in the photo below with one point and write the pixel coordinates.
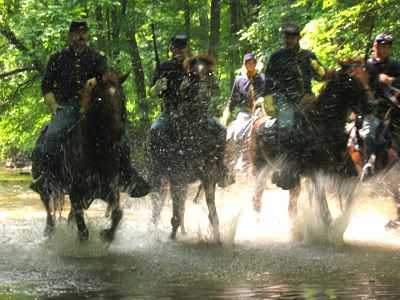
(256, 260)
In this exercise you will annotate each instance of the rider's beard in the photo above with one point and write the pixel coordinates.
(79, 46)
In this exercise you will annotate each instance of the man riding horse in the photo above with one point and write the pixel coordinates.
(384, 81)
(166, 82)
(247, 89)
(288, 81)
(67, 73)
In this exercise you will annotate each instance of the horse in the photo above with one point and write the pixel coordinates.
(318, 146)
(187, 152)
(91, 161)
(388, 173)
(382, 165)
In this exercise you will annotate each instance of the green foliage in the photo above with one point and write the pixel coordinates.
(333, 29)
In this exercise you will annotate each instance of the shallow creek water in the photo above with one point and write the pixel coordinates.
(257, 258)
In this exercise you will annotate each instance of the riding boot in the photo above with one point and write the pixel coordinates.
(133, 183)
(287, 178)
(42, 184)
(130, 180)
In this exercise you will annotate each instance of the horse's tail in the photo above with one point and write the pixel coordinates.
(196, 198)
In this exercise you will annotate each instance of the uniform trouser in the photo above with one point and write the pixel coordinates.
(370, 133)
(55, 136)
(243, 125)
(286, 114)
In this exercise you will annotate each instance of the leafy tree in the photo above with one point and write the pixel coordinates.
(30, 30)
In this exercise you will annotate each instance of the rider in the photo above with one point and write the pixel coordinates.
(384, 78)
(288, 81)
(67, 73)
(166, 82)
(247, 91)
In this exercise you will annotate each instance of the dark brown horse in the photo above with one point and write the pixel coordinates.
(318, 146)
(91, 164)
(189, 149)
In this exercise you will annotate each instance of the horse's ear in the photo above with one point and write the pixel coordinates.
(122, 78)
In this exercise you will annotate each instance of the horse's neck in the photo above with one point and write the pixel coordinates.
(100, 134)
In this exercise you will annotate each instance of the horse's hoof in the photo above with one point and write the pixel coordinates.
(297, 235)
(83, 235)
(256, 205)
(392, 225)
(107, 235)
(173, 236)
(48, 231)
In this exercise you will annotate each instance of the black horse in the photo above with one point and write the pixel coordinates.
(91, 163)
(387, 174)
(188, 151)
(318, 145)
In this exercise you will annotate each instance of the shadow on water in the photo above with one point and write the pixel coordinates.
(257, 259)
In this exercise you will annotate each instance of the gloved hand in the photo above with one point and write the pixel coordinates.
(259, 102)
(51, 102)
(269, 106)
(225, 116)
(160, 86)
(319, 70)
(91, 82)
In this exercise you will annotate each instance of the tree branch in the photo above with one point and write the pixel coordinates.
(17, 71)
(12, 38)
(9, 35)
(20, 86)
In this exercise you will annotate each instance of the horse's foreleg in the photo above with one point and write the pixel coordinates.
(209, 188)
(158, 196)
(261, 181)
(83, 232)
(49, 229)
(178, 193)
(182, 214)
(394, 224)
(320, 194)
(116, 216)
(293, 213)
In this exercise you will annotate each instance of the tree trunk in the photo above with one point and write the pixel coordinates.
(137, 69)
(253, 7)
(187, 17)
(215, 26)
(101, 42)
(233, 40)
(108, 24)
(204, 24)
(117, 18)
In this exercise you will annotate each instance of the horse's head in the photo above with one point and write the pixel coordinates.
(197, 85)
(201, 67)
(103, 103)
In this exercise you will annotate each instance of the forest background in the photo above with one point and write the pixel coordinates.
(30, 30)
